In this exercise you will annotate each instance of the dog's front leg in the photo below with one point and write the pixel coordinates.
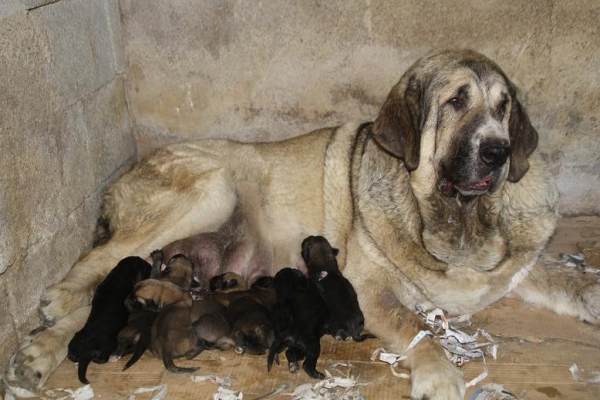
(568, 291)
(432, 376)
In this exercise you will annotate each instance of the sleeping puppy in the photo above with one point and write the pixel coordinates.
(210, 323)
(346, 320)
(97, 340)
(300, 317)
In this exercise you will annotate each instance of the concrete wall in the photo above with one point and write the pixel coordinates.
(65, 132)
(267, 70)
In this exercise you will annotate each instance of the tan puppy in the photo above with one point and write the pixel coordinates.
(442, 201)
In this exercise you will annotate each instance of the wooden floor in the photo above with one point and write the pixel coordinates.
(537, 349)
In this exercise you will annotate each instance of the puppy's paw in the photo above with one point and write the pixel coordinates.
(434, 377)
(61, 299)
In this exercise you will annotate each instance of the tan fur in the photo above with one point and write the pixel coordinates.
(160, 293)
(377, 194)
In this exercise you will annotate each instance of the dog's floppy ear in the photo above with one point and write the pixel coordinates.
(523, 140)
(398, 126)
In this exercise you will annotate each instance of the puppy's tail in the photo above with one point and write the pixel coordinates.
(277, 347)
(363, 337)
(170, 366)
(82, 369)
(140, 348)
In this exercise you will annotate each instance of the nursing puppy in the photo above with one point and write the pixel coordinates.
(98, 338)
(210, 323)
(173, 336)
(346, 320)
(300, 316)
(250, 314)
(166, 286)
(233, 247)
(170, 285)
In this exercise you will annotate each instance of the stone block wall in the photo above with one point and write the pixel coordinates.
(65, 133)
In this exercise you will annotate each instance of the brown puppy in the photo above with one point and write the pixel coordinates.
(250, 315)
(135, 337)
(173, 336)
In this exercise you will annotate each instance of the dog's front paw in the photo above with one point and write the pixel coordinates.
(61, 299)
(38, 355)
(434, 377)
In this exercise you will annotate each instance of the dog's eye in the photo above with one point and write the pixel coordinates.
(502, 107)
(460, 100)
(456, 102)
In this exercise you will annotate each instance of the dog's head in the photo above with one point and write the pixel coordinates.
(458, 113)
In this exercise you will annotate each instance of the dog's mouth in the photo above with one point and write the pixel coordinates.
(449, 189)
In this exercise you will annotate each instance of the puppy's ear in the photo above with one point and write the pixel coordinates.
(305, 253)
(523, 140)
(335, 251)
(398, 126)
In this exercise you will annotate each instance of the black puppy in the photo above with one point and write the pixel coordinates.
(300, 318)
(97, 340)
(346, 319)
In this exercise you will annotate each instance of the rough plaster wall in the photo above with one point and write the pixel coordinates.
(274, 69)
(65, 133)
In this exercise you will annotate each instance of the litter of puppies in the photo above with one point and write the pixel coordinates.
(161, 307)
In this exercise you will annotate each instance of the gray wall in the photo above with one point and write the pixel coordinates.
(65, 132)
(83, 81)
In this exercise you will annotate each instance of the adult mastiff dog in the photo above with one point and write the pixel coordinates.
(441, 201)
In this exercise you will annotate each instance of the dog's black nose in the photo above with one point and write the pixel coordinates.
(494, 156)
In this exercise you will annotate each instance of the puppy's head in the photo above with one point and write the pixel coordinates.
(287, 281)
(153, 295)
(318, 255)
(178, 270)
(457, 113)
(227, 282)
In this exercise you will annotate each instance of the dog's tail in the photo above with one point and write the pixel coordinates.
(82, 369)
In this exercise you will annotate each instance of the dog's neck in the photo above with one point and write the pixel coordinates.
(463, 232)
